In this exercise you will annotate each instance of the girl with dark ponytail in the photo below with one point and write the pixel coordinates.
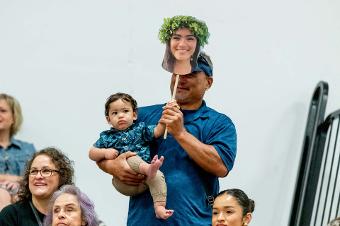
(232, 207)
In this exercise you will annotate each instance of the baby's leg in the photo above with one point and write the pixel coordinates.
(128, 190)
(150, 170)
(158, 192)
(156, 182)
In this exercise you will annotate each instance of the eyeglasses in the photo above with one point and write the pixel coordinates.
(43, 172)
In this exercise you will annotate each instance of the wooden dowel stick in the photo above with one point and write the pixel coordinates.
(172, 98)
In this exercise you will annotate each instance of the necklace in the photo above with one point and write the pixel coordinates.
(36, 214)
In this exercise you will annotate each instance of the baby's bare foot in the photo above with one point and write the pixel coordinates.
(154, 166)
(163, 213)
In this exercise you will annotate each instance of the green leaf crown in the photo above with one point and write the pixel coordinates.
(197, 27)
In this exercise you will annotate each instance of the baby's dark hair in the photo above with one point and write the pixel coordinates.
(120, 96)
(247, 204)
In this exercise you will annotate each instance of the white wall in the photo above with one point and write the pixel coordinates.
(61, 59)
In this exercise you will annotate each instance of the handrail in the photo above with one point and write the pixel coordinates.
(315, 118)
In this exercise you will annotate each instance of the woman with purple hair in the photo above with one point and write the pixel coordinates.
(70, 206)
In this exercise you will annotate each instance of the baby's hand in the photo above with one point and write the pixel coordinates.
(111, 153)
(12, 186)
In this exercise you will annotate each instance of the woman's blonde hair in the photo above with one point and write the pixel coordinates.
(16, 112)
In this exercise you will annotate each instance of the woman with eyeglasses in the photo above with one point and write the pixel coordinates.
(13, 152)
(46, 172)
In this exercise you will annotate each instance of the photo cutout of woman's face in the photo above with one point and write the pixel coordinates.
(181, 52)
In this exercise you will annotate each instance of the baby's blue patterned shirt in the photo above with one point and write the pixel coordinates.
(136, 138)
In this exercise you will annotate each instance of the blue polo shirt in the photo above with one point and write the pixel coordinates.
(187, 183)
(13, 158)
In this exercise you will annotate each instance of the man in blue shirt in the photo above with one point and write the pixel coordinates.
(200, 147)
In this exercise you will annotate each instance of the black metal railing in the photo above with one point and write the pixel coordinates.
(301, 212)
(327, 192)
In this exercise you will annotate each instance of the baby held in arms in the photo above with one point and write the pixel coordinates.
(126, 135)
